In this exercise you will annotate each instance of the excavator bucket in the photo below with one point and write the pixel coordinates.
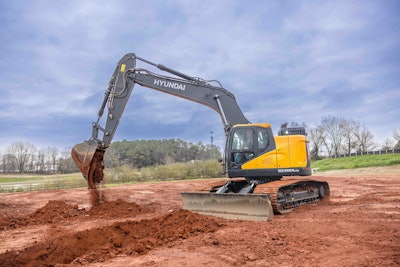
(89, 159)
(253, 207)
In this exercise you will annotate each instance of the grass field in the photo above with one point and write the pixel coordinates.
(27, 178)
(364, 161)
(21, 183)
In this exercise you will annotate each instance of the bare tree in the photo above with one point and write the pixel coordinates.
(53, 153)
(8, 162)
(51, 159)
(333, 129)
(21, 153)
(365, 139)
(46, 160)
(41, 160)
(388, 144)
(350, 140)
(66, 164)
(396, 136)
(316, 137)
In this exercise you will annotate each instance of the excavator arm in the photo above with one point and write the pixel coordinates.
(88, 155)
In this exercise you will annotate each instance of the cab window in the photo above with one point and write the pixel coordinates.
(242, 139)
(262, 138)
(242, 146)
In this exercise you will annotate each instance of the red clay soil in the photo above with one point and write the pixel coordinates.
(144, 225)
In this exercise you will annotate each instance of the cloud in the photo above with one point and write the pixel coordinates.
(284, 61)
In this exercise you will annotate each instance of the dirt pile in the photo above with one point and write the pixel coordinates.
(100, 244)
(102, 208)
(56, 211)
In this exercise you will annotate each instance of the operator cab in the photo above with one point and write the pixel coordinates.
(246, 142)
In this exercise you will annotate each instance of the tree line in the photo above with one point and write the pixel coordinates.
(24, 157)
(336, 136)
(143, 153)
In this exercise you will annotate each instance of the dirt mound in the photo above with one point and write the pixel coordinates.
(99, 244)
(103, 208)
(119, 208)
(56, 211)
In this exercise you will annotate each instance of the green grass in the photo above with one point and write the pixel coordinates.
(22, 183)
(19, 178)
(364, 161)
(34, 178)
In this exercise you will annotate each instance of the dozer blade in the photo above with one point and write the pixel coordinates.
(89, 159)
(253, 207)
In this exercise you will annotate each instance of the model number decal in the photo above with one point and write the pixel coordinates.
(288, 170)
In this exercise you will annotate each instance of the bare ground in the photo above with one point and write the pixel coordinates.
(144, 225)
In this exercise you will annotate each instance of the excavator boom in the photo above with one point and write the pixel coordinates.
(121, 84)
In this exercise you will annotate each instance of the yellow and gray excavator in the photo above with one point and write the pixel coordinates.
(254, 159)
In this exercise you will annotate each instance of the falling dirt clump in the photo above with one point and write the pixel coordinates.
(96, 197)
(99, 244)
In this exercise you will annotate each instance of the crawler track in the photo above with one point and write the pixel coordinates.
(287, 194)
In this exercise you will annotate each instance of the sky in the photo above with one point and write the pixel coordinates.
(285, 61)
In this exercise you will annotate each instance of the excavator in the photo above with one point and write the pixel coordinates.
(255, 160)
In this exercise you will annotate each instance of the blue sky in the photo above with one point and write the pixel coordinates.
(284, 61)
